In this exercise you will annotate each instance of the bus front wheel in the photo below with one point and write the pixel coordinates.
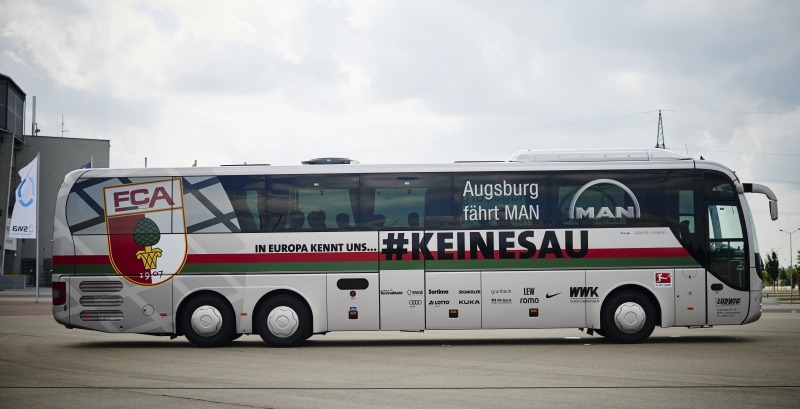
(628, 317)
(207, 321)
(283, 321)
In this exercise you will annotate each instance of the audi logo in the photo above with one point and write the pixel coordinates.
(415, 302)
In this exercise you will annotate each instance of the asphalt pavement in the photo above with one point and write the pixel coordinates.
(46, 365)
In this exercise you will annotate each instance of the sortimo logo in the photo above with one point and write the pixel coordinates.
(31, 195)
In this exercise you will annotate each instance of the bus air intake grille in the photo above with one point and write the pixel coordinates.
(100, 286)
(714, 176)
(101, 301)
(101, 315)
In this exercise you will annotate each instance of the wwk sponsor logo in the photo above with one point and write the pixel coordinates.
(583, 295)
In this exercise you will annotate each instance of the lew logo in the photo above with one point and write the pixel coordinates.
(142, 220)
(604, 212)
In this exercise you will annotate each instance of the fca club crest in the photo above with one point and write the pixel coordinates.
(146, 230)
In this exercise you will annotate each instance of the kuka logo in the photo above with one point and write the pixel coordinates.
(604, 212)
(140, 216)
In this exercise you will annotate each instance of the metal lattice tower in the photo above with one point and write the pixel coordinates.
(660, 136)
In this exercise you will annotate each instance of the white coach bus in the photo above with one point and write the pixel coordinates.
(614, 241)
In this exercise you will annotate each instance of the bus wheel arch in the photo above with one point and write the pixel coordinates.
(301, 311)
(214, 305)
(635, 301)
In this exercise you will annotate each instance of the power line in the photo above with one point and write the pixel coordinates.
(733, 112)
(749, 153)
(486, 135)
(776, 181)
(430, 142)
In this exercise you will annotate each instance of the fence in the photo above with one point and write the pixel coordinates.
(14, 282)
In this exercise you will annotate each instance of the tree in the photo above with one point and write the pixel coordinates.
(772, 265)
(765, 277)
(782, 274)
(795, 276)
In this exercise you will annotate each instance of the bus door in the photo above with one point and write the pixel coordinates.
(727, 278)
(402, 283)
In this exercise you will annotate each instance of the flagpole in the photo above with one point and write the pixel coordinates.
(36, 231)
(8, 219)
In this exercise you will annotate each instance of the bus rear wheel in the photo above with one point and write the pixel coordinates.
(283, 321)
(207, 321)
(628, 317)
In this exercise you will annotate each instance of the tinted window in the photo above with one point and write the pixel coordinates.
(683, 202)
(86, 207)
(718, 186)
(312, 203)
(501, 200)
(608, 199)
(223, 204)
(407, 201)
(726, 247)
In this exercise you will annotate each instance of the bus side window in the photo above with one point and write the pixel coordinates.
(682, 203)
(223, 204)
(86, 207)
(246, 195)
(726, 249)
(312, 203)
(507, 200)
(591, 199)
(406, 201)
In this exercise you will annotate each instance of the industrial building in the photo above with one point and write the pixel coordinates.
(58, 156)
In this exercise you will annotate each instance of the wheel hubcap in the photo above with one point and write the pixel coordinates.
(206, 321)
(282, 322)
(630, 317)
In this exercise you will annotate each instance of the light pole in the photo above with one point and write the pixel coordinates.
(791, 256)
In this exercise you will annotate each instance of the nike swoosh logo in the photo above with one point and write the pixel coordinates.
(551, 296)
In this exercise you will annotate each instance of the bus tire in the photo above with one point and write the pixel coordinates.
(283, 321)
(628, 317)
(207, 321)
(600, 332)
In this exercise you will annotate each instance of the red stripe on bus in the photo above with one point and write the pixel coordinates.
(280, 257)
(373, 256)
(592, 253)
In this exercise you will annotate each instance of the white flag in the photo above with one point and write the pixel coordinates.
(23, 220)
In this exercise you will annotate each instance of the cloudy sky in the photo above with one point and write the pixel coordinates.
(418, 81)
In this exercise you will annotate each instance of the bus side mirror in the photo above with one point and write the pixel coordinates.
(773, 209)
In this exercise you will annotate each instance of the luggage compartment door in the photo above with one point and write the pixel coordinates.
(532, 299)
(353, 302)
(453, 300)
(402, 300)
(690, 297)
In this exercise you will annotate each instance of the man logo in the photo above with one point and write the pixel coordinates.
(605, 212)
(140, 216)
